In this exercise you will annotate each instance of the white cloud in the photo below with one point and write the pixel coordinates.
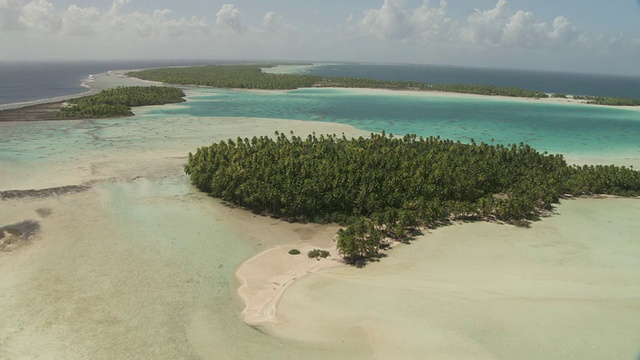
(393, 31)
(271, 22)
(41, 15)
(161, 24)
(501, 27)
(487, 26)
(79, 21)
(116, 6)
(10, 11)
(228, 19)
(495, 27)
(432, 23)
(391, 21)
(521, 30)
(273, 25)
(562, 33)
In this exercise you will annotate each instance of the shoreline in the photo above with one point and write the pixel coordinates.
(265, 277)
(436, 93)
(98, 82)
(94, 84)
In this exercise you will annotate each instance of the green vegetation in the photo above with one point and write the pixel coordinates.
(610, 101)
(227, 76)
(252, 77)
(559, 95)
(118, 102)
(384, 187)
(294, 252)
(318, 254)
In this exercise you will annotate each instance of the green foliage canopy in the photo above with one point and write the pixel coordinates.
(252, 77)
(118, 102)
(384, 186)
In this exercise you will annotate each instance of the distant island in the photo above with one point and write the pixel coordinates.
(117, 102)
(253, 77)
(383, 187)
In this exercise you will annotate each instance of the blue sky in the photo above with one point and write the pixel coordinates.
(566, 35)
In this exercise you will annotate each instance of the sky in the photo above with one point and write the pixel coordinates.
(594, 36)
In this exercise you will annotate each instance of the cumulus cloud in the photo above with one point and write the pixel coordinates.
(38, 14)
(432, 23)
(487, 26)
(228, 19)
(10, 11)
(390, 21)
(142, 33)
(79, 21)
(501, 27)
(393, 21)
(42, 16)
(271, 22)
(495, 27)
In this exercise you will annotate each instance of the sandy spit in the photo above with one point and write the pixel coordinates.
(265, 277)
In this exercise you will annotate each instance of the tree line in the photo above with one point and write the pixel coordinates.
(252, 77)
(611, 101)
(384, 187)
(117, 102)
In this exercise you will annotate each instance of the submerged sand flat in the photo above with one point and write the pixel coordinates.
(568, 288)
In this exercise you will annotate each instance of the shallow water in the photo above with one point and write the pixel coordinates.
(569, 129)
(568, 288)
(140, 266)
(143, 269)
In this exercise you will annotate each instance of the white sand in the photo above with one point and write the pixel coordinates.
(429, 93)
(265, 277)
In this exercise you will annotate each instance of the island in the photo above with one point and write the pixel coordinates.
(385, 188)
(108, 103)
(118, 102)
(252, 76)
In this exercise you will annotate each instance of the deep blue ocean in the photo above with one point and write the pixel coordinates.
(549, 82)
(29, 81)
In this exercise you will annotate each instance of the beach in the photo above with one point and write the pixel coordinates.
(142, 265)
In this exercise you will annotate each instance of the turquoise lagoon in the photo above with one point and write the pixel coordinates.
(570, 129)
(607, 134)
